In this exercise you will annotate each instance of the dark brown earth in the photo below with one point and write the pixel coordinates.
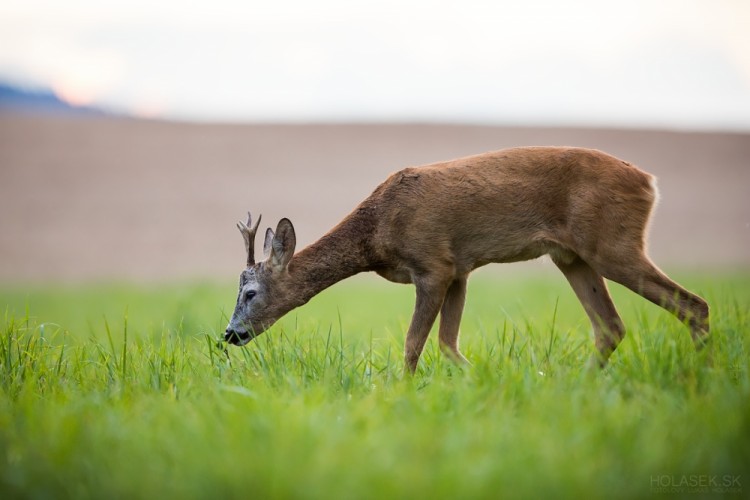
(86, 199)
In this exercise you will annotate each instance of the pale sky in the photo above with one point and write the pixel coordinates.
(658, 63)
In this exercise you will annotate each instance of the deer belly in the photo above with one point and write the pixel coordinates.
(396, 275)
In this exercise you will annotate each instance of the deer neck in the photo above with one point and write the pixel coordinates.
(341, 253)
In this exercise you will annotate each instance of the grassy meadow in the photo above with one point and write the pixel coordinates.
(121, 391)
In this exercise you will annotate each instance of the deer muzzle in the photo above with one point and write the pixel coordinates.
(236, 337)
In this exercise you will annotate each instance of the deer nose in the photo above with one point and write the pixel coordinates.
(230, 335)
(236, 338)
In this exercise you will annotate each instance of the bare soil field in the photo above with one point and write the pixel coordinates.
(91, 199)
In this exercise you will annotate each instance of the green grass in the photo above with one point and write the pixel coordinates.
(114, 391)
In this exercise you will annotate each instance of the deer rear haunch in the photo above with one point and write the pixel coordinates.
(433, 225)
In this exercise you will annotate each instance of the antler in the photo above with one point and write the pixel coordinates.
(249, 235)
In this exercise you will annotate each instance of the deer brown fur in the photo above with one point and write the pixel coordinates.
(433, 225)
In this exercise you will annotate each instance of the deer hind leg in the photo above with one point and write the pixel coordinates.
(591, 290)
(647, 280)
(450, 319)
(430, 295)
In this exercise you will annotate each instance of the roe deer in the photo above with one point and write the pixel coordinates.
(433, 225)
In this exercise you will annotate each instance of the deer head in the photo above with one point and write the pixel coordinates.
(264, 292)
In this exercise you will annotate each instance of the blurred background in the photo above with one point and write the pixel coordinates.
(134, 134)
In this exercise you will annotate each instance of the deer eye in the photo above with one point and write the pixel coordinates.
(249, 295)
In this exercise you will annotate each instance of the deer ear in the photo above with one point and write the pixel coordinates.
(267, 242)
(282, 245)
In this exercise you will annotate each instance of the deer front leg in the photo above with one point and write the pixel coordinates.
(450, 320)
(430, 295)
